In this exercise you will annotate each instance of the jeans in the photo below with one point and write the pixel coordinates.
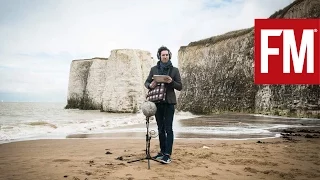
(164, 118)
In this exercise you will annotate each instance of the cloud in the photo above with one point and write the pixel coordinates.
(39, 39)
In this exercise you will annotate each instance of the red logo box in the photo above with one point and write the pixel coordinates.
(286, 51)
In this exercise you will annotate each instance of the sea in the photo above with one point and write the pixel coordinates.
(22, 121)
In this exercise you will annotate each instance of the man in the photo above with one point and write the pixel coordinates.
(166, 109)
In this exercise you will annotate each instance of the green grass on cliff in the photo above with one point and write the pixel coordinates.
(282, 12)
(219, 38)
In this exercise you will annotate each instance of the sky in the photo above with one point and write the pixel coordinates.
(40, 38)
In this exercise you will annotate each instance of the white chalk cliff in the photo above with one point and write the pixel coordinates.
(218, 75)
(114, 84)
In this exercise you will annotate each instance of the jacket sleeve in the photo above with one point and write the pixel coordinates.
(148, 80)
(176, 81)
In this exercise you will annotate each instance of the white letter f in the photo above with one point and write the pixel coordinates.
(265, 50)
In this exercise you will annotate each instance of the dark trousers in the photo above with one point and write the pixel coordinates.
(164, 118)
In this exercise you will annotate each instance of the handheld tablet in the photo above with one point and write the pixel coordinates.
(160, 78)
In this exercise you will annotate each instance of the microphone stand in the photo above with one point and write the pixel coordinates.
(148, 138)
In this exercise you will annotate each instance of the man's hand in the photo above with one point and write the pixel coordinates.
(153, 84)
(168, 79)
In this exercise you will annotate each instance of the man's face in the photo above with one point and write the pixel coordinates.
(164, 56)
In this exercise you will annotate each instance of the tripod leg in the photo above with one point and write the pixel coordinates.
(136, 160)
(148, 143)
(148, 138)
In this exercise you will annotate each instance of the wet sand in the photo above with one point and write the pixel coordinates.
(293, 156)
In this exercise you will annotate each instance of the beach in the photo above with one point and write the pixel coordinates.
(294, 155)
(45, 141)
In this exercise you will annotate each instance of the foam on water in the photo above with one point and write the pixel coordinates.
(45, 120)
(282, 117)
(21, 121)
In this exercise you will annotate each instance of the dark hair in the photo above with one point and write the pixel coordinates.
(163, 48)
